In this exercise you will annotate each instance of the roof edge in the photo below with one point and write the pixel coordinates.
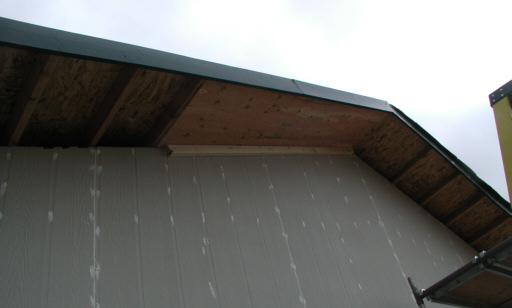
(454, 161)
(29, 36)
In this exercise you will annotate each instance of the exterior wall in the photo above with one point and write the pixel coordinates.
(118, 227)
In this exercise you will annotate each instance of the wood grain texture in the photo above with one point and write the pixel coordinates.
(68, 102)
(451, 197)
(23, 227)
(389, 147)
(240, 115)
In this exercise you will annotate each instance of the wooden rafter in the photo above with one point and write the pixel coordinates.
(114, 99)
(468, 205)
(410, 165)
(492, 227)
(437, 189)
(167, 119)
(29, 97)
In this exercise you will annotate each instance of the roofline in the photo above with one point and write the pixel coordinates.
(32, 37)
(454, 161)
(28, 36)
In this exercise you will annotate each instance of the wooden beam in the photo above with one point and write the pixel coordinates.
(408, 167)
(117, 95)
(36, 82)
(495, 224)
(437, 189)
(229, 150)
(175, 107)
(469, 205)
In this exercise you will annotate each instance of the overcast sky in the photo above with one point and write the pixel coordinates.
(435, 60)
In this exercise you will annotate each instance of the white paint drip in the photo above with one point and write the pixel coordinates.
(426, 246)
(312, 196)
(350, 260)
(3, 188)
(338, 226)
(355, 224)
(169, 190)
(205, 241)
(172, 220)
(136, 218)
(257, 220)
(50, 216)
(194, 179)
(95, 266)
(55, 155)
(8, 156)
(435, 264)
(399, 234)
(413, 241)
(323, 226)
(305, 175)
(232, 219)
(204, 250)
(368, 222)
(228, 199)
(346, 199)
(338, 180)
(285, 236)
(97, 231)
(303, 224)
(203, 218)
(293, 266)
(343, 240)
(212, 290)
(360, 286)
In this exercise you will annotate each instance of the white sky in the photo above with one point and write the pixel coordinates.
(435, 60)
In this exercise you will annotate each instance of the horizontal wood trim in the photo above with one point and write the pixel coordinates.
(226, 150)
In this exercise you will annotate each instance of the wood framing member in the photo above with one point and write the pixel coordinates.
(228, 150)
(497, 223)
(403, 173)
(437, 189)
(465, 208)
(29, 97)
(167, 119)
(116, 96)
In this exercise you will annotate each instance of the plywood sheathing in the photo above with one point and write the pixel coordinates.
(390, 147)
(229, 114)
(15, 66)
(451, 197)
(478, 217)
(153, 92)
(497, 233)
(68, 102)
(490, 287)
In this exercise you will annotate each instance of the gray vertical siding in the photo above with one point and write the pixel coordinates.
(118, 227)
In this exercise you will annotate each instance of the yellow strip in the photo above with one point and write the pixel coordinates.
(503, 116)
